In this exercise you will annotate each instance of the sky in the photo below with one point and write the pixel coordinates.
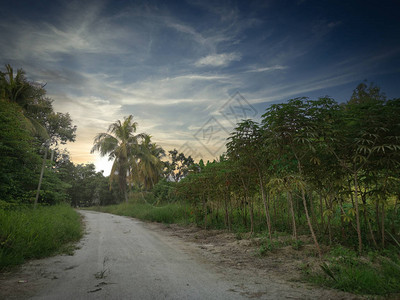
(189, 70)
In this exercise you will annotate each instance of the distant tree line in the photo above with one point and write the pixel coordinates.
(30, 139)
(138, 163)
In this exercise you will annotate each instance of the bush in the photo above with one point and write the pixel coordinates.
(163, 191)
(28, 233)
(346, 271)
(170, 213)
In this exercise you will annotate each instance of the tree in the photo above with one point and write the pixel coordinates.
(245, 149)
(294, 130)
(180, 165)
(17, 89)
(120, 143)
(19, 160)
(368, 141)
(149, 164)
(86, 186)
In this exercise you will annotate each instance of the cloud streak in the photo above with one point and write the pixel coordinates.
(218, 60)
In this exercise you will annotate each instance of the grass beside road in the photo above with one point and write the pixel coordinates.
(343, 269)
(28, 233)
(169, 213)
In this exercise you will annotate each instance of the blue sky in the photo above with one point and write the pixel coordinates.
(186, 70)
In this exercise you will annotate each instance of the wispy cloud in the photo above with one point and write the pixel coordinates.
(266, 69)
(218, 60)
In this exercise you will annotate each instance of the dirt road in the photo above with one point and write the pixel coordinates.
(120, 258)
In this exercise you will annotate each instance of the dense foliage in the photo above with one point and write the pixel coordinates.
(137, 161)
(311, 165)
(30, 140)
(18, 157)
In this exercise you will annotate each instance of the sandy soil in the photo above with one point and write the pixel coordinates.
(242, 257)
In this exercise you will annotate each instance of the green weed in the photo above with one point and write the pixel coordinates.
(268, 246)
(170, 213)
(28, 233)
(297, 244)
(344, 270)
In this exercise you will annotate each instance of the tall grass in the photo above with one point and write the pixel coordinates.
(28, 233)
(169, 213)
(344, 270)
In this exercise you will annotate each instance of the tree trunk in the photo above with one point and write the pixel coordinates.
(266, 208)
(226, 211)
(328, 204)
(41, 177)
(393, 225)
(251, 216)
(275, 213)
(368, 222)
(246, 199)
(289, 195)
(312, 209)
(377, 216)
(383, 225)
(205, 211)
(342, 219)
(321, 211)
(244, 211)
(303, 194)
(357, 213)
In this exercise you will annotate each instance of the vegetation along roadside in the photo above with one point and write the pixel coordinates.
(26, 233)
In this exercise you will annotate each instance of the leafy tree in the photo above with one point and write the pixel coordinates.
(367, 140)
(121, 144)
(17, 89)
(149, 164)
(294, 131)
(330, 167)
(18, 158)
(180, 165)
(243, 148)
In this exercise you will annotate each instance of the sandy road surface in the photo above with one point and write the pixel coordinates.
(119, 258)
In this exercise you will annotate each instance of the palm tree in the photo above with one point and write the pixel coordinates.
(120, 144)
(14, 87)
(148, 163)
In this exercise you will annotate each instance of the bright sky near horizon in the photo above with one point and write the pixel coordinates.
(188, 70)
